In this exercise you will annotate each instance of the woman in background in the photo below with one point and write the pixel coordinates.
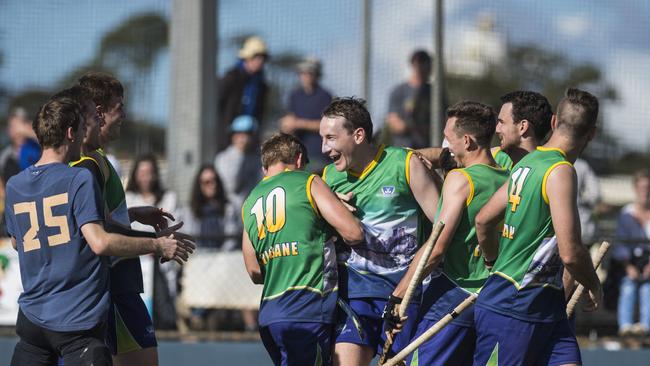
(144, 188)
(204, 219)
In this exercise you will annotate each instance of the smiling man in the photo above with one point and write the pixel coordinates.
(392, 194)
(523, 123)
(469, 129)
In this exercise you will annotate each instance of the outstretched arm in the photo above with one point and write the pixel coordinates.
(486, 222)
(561, 190)
(335, 213)
(103, 243)
(455, 193)
(425, 187)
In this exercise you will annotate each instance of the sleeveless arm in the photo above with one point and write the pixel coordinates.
(455, 194)
(335, 213)
(487, 220)
(250, 260)
(425, 187)
(561, 191)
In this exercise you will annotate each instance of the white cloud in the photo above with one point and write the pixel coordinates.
(629, 72)
(572, 26)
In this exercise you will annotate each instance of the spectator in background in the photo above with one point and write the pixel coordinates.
(23, 150)
(145, 189)
(304, 111)
(240, 168)
(204, 217)
(588, 200)
(242, 90)
(634, 225)
(409, 107)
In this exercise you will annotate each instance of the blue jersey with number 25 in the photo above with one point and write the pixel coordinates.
(65, 283)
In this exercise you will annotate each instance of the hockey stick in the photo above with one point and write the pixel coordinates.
(431, 331)
(570, 307)
(415, 282)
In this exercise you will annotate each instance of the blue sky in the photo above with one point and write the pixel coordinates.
(43, 40)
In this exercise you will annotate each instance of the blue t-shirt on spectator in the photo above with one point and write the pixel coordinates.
(65, 283)
(309, 106)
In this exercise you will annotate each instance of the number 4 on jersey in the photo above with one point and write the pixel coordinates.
(518, 178)
(271, 217)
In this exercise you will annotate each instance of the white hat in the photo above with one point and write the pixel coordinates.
(310, 65)
(253, 46)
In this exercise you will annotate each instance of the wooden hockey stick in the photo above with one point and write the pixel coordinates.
(570, 307)
(471, 299)
(415, 282)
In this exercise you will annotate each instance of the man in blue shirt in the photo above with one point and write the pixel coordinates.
(305, 109)
(54, 218)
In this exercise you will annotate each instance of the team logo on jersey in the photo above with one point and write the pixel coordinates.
(388, 191)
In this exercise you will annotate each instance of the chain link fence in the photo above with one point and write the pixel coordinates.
(490, 48)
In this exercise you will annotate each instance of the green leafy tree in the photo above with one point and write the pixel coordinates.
(530, 67)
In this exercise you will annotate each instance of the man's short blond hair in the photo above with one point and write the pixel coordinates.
(282, 148)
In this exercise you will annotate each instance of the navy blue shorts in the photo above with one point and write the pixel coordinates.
(369, 311)
(129, 325)
(453, 345)
(297, 344)
(502, 340)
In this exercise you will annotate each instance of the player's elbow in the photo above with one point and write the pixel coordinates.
(354, 235)
(99, 245)
(570, 258)
(256, 277)
(481, 221)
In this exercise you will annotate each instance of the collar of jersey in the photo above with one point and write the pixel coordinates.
(542, 148)
(271, 176)
(370, 165)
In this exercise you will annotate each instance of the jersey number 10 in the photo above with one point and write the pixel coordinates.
(30, 239)
(272, 217)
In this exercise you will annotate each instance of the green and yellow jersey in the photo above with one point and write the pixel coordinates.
(291, 243)
(502, 159)
(126, 273)
(393, 222)
(463, 269)
(527, 277)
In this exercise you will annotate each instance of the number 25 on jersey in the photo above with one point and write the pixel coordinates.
(272, 215)
(30, 239)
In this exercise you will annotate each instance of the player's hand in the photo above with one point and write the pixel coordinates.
(390, 315)
(594, 299)
(152, 216)
(170, 248)
(447, 161)
(346, 200)
(187, 242)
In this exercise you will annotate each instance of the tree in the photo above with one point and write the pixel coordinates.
(530, 67)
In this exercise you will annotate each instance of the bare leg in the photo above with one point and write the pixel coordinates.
(250, 319)
(350, 354)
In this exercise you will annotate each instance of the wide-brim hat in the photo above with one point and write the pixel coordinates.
(253, 46)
